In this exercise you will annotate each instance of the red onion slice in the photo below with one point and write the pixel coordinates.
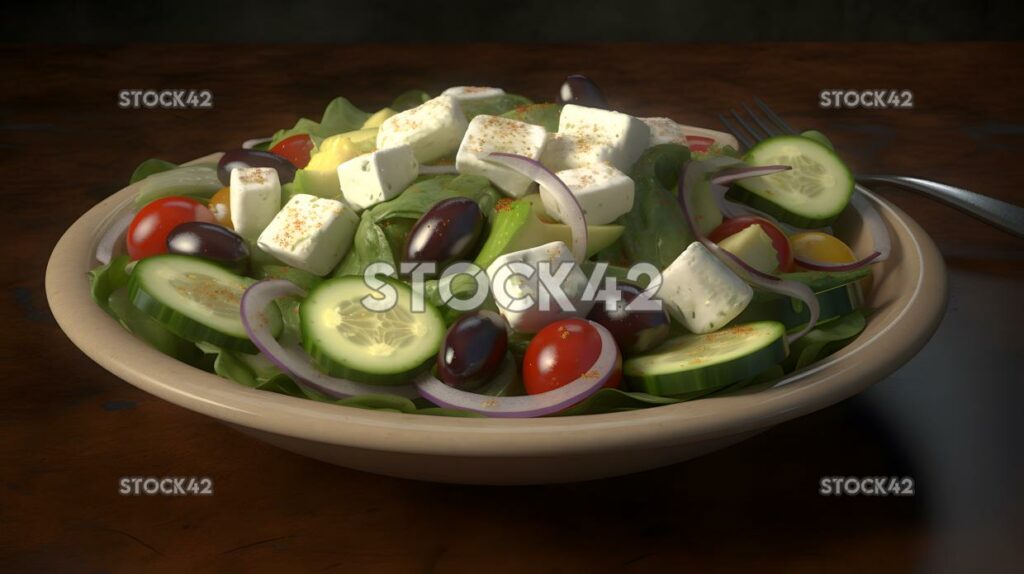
(438, 170)
(689, 178)
(531, 405)
(572, 213)
(293, 361)
(113, 237)
(727, 176)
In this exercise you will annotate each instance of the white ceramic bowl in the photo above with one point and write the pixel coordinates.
(908, 299)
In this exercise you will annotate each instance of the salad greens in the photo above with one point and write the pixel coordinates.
(654, 207)
(678, 361)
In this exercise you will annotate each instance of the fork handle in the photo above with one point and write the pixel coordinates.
(1005, 216)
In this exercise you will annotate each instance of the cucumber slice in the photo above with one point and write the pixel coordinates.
(195, 299)
(833, 303)
(696, 363)
(810, 195)
(378, 347)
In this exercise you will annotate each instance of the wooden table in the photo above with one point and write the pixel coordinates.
(950, 419)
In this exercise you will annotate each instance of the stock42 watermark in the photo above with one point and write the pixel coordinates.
(869, 99)
(169, 99)
(866, 486)
(165, 486)
(515, 286)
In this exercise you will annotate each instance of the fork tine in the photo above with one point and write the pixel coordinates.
(768, 128)
(747, 142)
(757, 135)
(774, 116)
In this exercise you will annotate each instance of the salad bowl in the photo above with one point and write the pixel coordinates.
(906, 299)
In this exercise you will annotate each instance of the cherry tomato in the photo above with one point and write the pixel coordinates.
(220, 206)
(560, 353)
(780, 242)
(819, 247)
(295, 149)
(147, 234)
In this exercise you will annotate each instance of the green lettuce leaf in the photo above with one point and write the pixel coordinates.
(655, 207)
(824, 340)
(149, 167)
(105, 279)
(545, 115)
(495, 106)
(409, 100)
(339, 117)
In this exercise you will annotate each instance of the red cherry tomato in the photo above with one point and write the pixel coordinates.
(147, 234)
(779, 240)
(560, 353)
(295, 149)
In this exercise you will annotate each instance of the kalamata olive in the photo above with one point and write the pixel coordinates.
(582, 91)
(634, 330)
(473, 350)
(239, 158)
(446, 233)
(210, 241)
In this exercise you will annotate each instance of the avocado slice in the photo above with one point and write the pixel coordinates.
(517, 225)
(320, 176)
(754, 247)
(378, 118)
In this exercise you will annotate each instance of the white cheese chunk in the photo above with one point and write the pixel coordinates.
(510, 287)
(254, 198)
(433, 129)
(467, 93)
(562, 152)
(489, 134)
(627, 136)
(665, 130)
(310, 233)
(372, 178)
(604, 193)
(701, 292)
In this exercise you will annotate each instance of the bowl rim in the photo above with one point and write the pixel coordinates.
(835, 378)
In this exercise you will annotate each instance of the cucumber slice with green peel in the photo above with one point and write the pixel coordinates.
(692, 364)
(195, 299)
(833, 303)
(812, 194)
(348, 340)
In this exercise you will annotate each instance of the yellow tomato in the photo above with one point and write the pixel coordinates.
(818, 247)
(220, 205)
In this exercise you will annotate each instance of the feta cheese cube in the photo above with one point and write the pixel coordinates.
(467, 93)
(310, 233)
(564, 151)
(254, 198)
(604, 193)
(627, 136)
(665, 130)
(510, 287)
(433, 129)
(372, 178)
(701, 292)
(488, 134)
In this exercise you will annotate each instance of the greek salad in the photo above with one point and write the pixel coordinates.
(478, 254)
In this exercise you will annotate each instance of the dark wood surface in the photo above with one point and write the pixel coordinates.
(950, 419)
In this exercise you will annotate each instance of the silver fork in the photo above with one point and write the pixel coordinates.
(1000, 214)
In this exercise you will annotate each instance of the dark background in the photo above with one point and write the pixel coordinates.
(950, 418)
(274, 21)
